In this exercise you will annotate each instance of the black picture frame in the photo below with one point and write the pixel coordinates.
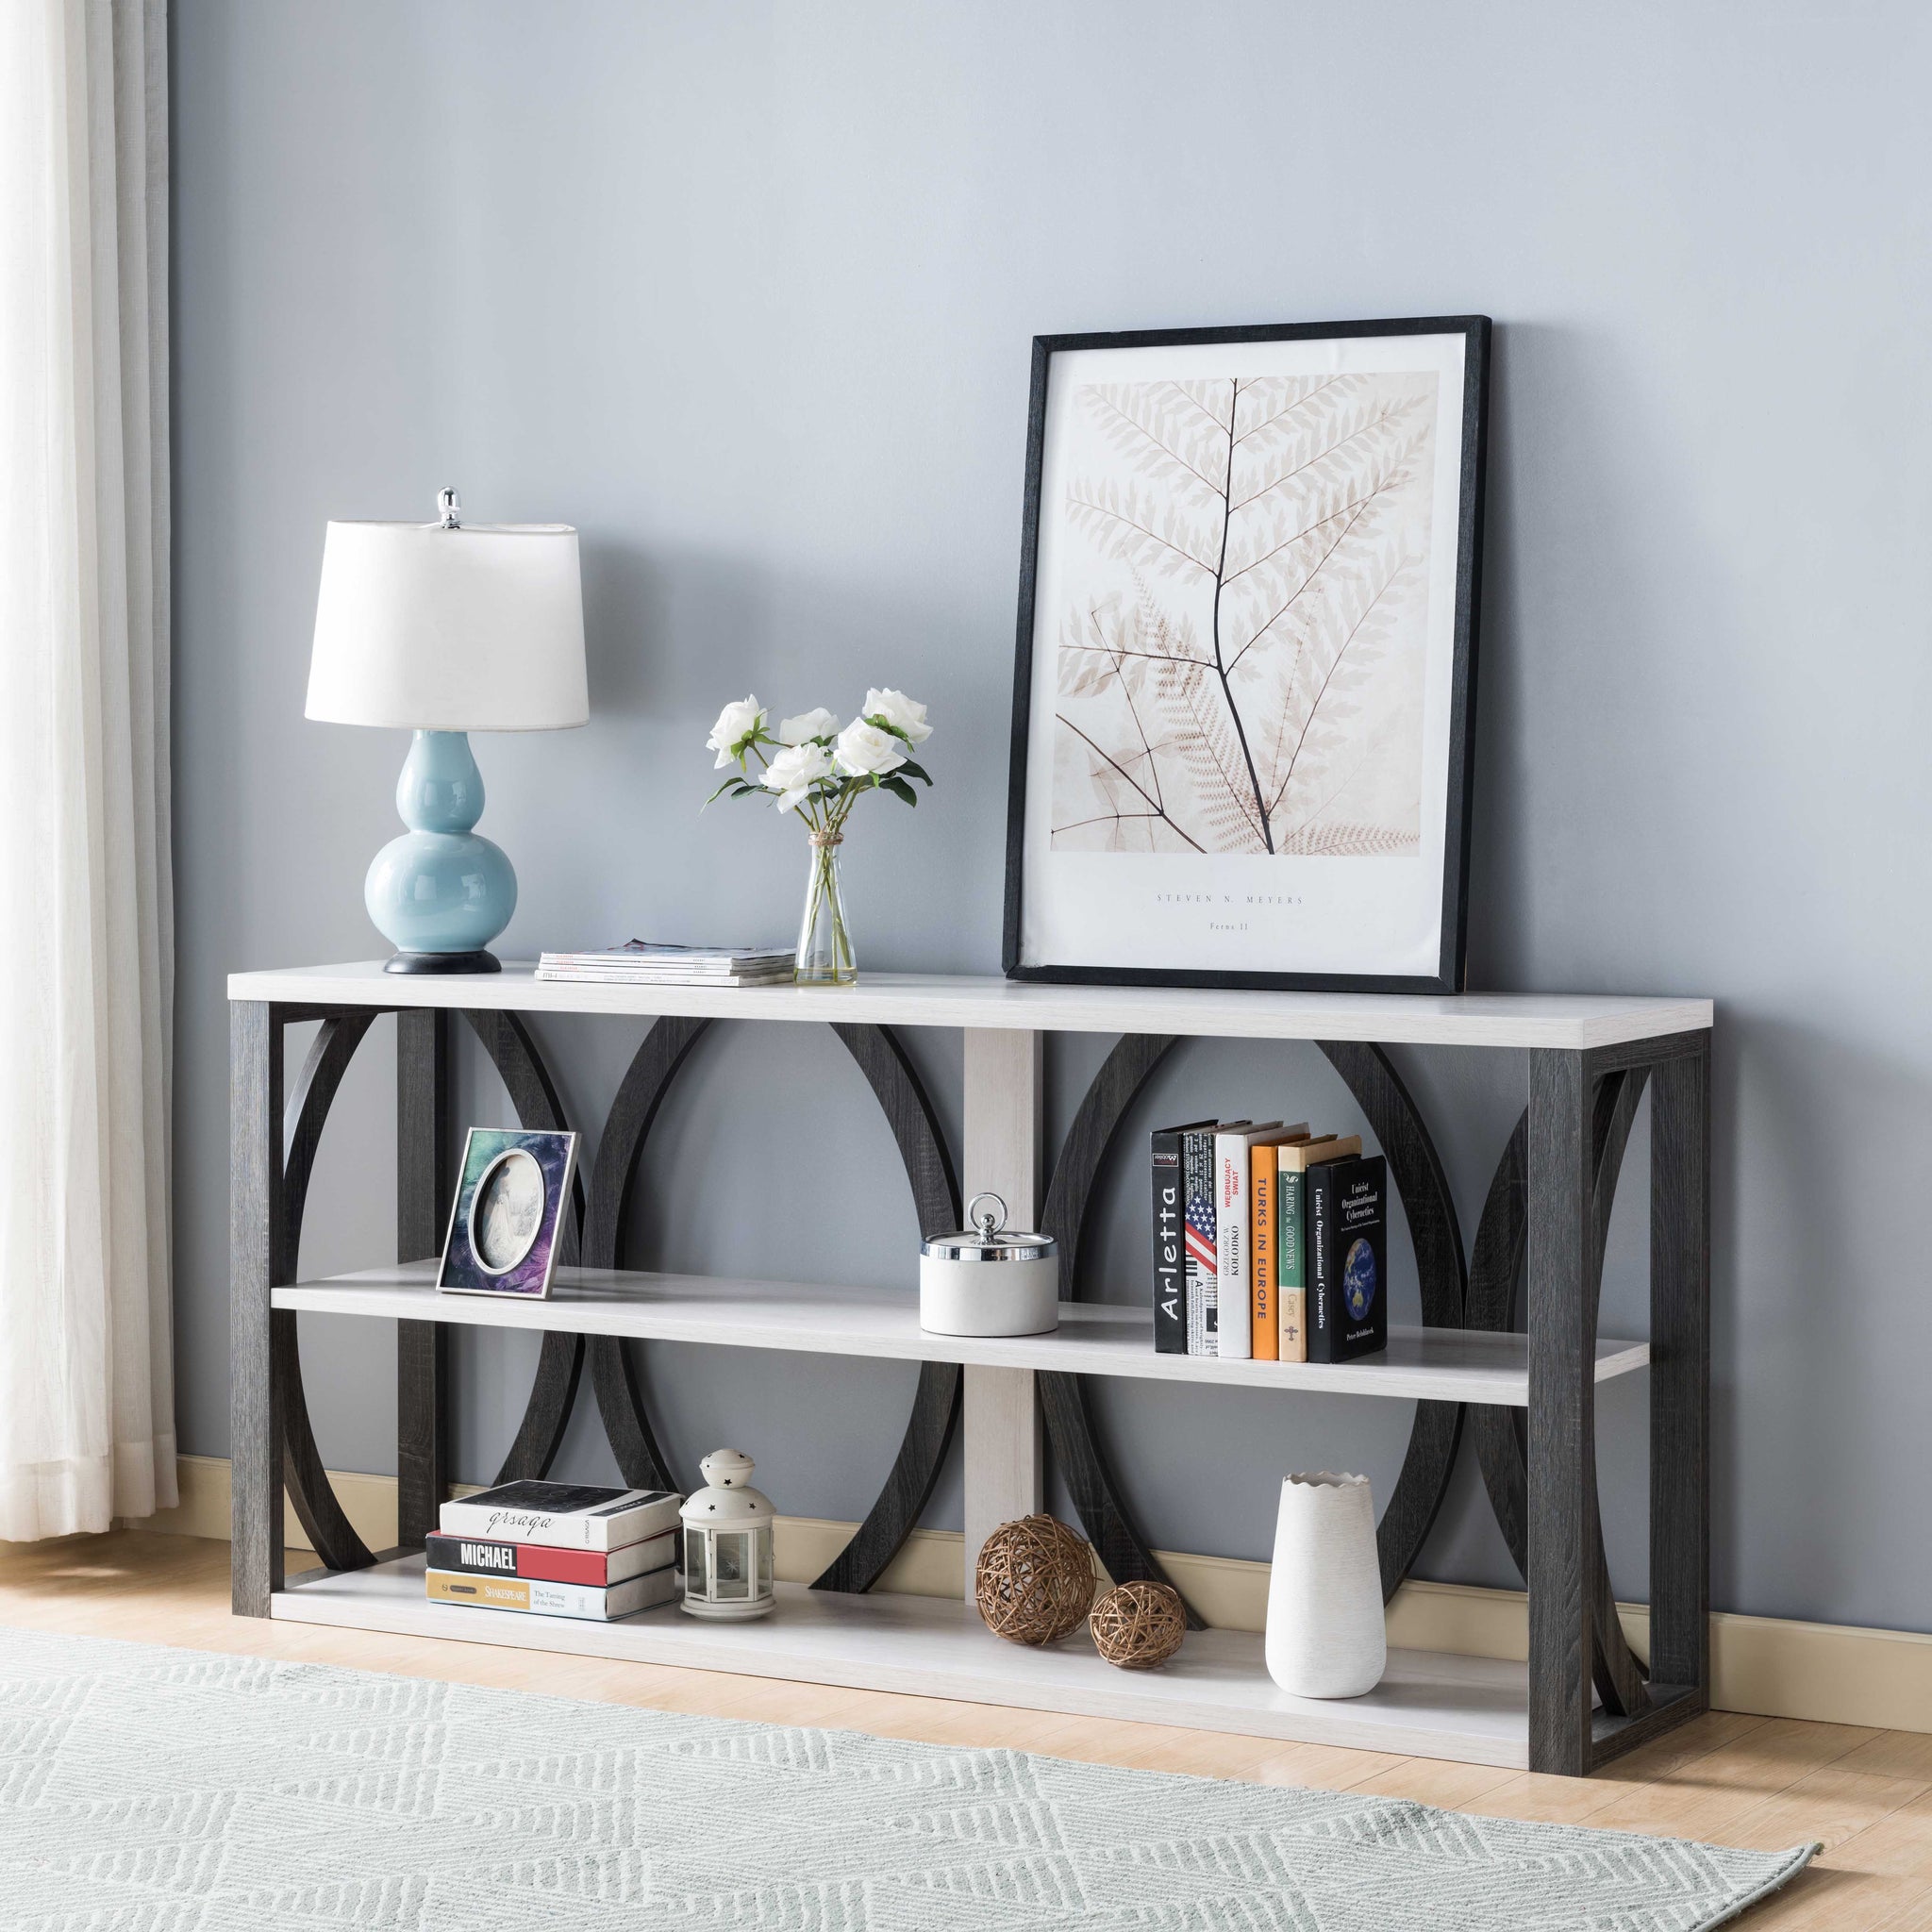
(1473, 448)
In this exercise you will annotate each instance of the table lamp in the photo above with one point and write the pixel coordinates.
(445, 629)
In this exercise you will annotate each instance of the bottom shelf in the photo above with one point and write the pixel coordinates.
(1428, 1705)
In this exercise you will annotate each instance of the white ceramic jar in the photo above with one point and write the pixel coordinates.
(991, 1279)
(1326, 1637)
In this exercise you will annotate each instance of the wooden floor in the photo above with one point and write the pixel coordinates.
(1735, 1780)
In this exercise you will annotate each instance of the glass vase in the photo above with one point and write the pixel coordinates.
(825, 942)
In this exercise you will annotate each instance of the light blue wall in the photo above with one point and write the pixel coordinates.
(746, 291)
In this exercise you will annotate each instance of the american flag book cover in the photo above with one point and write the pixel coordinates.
(1197, 1164)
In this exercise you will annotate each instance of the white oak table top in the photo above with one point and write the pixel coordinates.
(1562, 1020)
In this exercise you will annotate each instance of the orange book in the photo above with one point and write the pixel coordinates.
(1261, 1192)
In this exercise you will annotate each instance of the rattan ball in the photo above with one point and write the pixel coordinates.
(1034, 1581)
(1136, 1625)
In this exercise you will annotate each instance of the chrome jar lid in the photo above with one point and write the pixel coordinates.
(990, 1239)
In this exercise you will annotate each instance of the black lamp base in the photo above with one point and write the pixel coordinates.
(443, 962)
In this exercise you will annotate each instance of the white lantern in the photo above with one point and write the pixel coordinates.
(727, 1541)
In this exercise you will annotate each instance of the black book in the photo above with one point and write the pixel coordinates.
(1346, 1218)
(1170, 1240)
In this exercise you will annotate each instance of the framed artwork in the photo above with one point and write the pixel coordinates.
(1245, 674)
(510, 1207)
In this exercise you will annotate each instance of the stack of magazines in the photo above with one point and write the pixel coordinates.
(643, 963)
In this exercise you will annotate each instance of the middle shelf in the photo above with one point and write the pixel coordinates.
(1094, 1338)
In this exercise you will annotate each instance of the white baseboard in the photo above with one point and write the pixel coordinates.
(930, 1565)
(1832, 1672)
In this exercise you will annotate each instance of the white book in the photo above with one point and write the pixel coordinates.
(1201, 1282)
(1234, 1314)
(640, 954)
(535, 1598)
(687, 969)
(567, 1516)
(591, 976)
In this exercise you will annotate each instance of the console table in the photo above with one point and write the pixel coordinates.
(1526, 1397)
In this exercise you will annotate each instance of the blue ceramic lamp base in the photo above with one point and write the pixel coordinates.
(442, 962)
(439, 893)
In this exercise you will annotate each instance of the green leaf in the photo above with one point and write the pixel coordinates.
(899, 789)
(912, 771)
(724, 789)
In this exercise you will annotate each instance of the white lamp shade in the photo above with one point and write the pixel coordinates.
(474, 629)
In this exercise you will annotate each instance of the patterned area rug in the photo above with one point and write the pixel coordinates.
(168, 1790)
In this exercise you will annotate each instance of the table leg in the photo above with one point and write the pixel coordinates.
(1681, 1373)
(255, 1214)
(422, 1197)
(1562, 1424)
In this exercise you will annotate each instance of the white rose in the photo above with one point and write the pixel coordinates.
(901, 713)
(818, 724)
(864, 748)
(735, 723)
(796, 770)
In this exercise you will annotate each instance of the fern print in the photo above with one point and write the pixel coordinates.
(1240, 647)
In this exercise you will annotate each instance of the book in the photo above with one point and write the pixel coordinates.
(645, 962)
(1170, 1246)
(1292, 1166)
(1263, 1179)
(1233, 1263)
(617, 969)
(591, 976)
(650, 955)
(572, 1516)
(1197, 1234)
(543, 1563)
(1348, 1303)
(537, 1598)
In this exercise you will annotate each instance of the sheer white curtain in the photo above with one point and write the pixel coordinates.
(87, 1429)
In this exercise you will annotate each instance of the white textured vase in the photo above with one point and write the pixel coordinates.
(1326, 1634)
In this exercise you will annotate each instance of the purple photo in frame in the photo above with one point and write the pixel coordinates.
(504, 1225)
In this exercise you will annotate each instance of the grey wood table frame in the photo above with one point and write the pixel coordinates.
(1569, 1597)
(1547, 1215)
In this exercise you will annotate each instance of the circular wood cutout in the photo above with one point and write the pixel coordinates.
(1415, 1173)
(896, 1085)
